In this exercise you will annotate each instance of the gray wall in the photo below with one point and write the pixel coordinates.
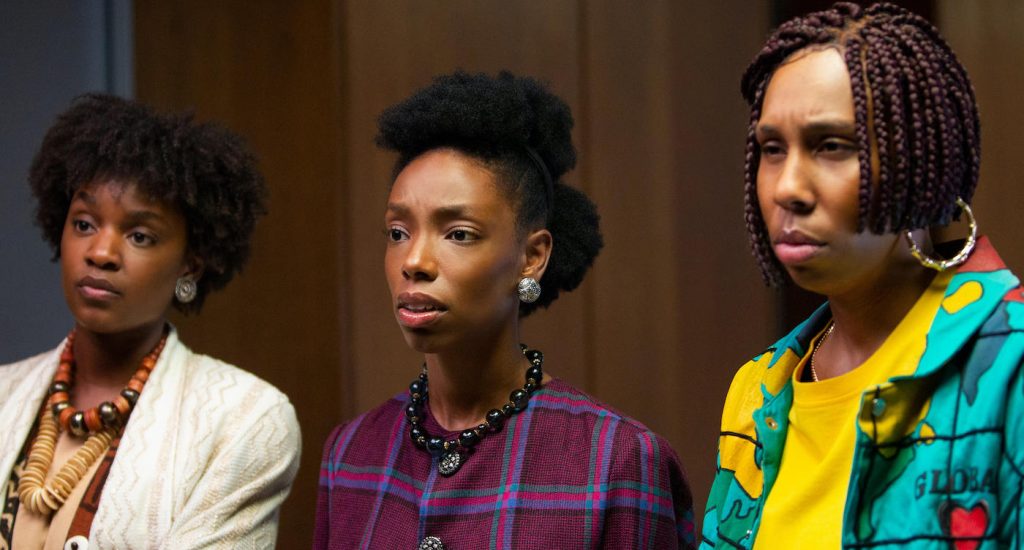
(50, 52)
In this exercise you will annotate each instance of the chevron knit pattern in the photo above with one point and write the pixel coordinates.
(207, 457)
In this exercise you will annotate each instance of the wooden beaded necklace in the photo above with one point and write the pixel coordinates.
(109, 414)
(101, 423)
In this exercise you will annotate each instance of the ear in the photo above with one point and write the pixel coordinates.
(536, 253)
(194, 267)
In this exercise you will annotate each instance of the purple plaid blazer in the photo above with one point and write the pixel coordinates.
(566, 473)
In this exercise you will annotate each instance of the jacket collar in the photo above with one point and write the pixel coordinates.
(980, 285)
(975, 291)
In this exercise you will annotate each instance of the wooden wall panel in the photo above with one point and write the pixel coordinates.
(678, 301)
(987, 38)
(267, 70)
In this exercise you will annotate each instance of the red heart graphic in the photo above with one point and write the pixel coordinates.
(968, 523)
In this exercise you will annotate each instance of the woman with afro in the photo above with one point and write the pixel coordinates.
(894, 415)
(486, 449)
(122, 437)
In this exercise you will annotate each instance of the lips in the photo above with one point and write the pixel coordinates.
(794, 247)
(97, 289)
(417, 310)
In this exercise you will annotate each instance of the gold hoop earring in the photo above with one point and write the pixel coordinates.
(961, 257)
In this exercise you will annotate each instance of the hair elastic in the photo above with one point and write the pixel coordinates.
(549, 182)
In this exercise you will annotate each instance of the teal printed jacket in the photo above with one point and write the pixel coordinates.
(939, 456)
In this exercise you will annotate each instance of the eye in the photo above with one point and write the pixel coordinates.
(837, 148)
(460, 234)
(772, 149)
(141, 239)
(81, 226)
(395, 234)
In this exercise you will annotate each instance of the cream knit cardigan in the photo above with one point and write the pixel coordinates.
(206, 459)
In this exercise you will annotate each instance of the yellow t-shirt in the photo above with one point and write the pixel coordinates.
(806, 503)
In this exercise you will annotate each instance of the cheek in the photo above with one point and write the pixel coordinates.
(763, 193)
(869, 245)
(164, 279)
(392, 267)
(486, 280)
(845, 201)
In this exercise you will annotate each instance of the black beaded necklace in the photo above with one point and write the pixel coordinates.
(452, 453)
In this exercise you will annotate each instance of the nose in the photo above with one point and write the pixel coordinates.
(104, 250)
(793, 187)
(420, 262)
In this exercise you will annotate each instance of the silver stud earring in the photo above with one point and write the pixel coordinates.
(529, 290)
(185, 289)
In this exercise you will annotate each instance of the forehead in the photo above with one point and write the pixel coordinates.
(444, 177)
(810, 84)
(122, 195)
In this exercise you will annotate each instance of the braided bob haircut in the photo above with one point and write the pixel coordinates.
(505, 123)
(915, 111)
(202, 169)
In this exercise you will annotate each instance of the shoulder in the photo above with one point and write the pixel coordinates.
(225, 398)
(579, 406)
(587, 420)
(768, 373)
(230, 384)
(372, 424)
(638, 467)
(29, 377)
(15, 372)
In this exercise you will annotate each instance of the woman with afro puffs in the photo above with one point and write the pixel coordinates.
(486, 449)
(894, 415)
(121, 436)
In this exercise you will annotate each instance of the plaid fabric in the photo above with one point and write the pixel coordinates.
(568, 472)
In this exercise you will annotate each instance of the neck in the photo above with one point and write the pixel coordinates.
(865, 317)
(473, 378)
(105, 362)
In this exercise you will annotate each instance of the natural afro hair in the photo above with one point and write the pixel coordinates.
(204, 170)
(915, 113)
(523, 134)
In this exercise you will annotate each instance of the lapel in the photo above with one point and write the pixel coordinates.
(23, 386)
(977, 289)
(139, 496)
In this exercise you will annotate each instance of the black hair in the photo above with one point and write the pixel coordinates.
(202, 169)
(915, 111)
(508, 123)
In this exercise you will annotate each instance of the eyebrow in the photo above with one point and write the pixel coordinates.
(814, 128)
(85, 196)
(139, 216)
(442, 213)
(132, 216)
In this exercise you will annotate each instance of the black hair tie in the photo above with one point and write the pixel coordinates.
(549, 183)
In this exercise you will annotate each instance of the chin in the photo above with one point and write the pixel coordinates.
(810, 280)
(420, 340)
(108, 322)
(432, 340)
(99, 325)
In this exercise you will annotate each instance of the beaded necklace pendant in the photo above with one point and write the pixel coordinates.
(452, 454)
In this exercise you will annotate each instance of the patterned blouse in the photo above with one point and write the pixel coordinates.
(566, 473)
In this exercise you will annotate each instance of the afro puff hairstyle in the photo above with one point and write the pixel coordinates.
(915, 114)
(509, 124)
(202, 169)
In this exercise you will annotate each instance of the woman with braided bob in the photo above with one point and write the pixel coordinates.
(486, 449)
(122, 437)
(894, 415)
